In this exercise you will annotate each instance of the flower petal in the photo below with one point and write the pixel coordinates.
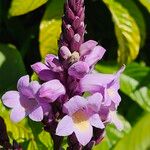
(37, 114)
(17, 114)
(120, 71)
(96, 121)
(113, 118)
(52, 90)
(103, 113)
(94, 82)
(65, 52)
(43, 71)
(84, 137)
(47, 75)
(65, 126)
(27, 93)
(94, 102)
(107, 97)
(74, 104)
(95, 55)
(23, 82)
(116, 99)
(115, 81)
(34, 86)
(86, 47)
(11, 99)
(38, 67)
(53, 63)
(78, 70)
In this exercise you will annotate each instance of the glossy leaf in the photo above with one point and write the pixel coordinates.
(30, 134)
(104, 145)
(113, 135)
(146, 3)
(138, 138)
(134, 84)
(11, 67)
(137, 16)
(138, 93)
(20, 7)
(20, 131)
(127, 31)
(50, 27)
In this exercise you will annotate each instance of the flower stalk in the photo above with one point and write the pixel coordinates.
(59, 102)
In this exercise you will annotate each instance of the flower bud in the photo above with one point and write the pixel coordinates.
(65, 52)
(75, 43)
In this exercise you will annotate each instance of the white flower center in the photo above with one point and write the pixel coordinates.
(111, 92)
(80, 120)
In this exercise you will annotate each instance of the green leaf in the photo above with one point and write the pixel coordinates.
(113, 135)
(138, 138)
(137, 16)
(20, 7)
(146, 3)
(50, 27)
(11, 67)
(27, 132)
(20, 131)
(104, 145)
(127, 31)
(134, 84)
(106, 67)
(138, 93)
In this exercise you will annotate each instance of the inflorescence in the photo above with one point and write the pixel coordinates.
(58, 100)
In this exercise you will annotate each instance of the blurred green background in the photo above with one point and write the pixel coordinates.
(29, 29)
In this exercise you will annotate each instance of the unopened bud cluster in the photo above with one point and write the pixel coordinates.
(73, 27)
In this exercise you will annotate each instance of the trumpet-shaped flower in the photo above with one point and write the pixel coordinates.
(24, 101)
(106, 84)
(28, 100)
(81, 116)
(50, 70)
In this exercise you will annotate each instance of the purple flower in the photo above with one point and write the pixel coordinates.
(28, 100)
(110, 117)
(81, 116)
(65, 79)
(24, 102)
(50, 70)
(51, 91)
(106, 84)
(89, 54)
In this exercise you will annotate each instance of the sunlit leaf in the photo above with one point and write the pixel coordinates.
(146, 3)
(137, 92)
(113, 135)
(50, 27)
(138, 138)
(30, 134)
(11, 67)
(20, 131)
(20, 7)
(137, 16)
(127, 31)
(134, 84)
(104, 145)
